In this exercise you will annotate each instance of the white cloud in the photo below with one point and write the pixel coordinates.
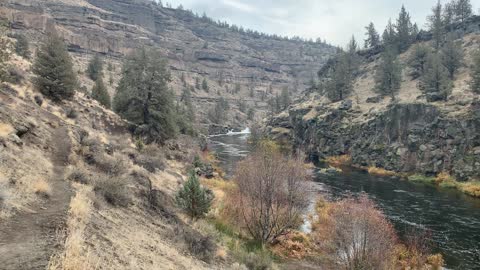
(333, 20)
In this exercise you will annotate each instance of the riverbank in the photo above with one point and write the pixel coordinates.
(442, 179)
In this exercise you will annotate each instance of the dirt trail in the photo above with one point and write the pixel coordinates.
(29, 239)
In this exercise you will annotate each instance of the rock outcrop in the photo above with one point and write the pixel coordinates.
(195, 46)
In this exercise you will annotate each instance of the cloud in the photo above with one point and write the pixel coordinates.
(333, 20)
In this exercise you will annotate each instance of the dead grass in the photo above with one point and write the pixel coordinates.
(76, 254)
(5, 129)
(380, 171)
(471, 188)
(337, 161)
(42, 188)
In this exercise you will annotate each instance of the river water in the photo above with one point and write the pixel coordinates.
(452, 218)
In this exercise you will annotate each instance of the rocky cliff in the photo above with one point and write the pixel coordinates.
(195, 47)
(409, 134)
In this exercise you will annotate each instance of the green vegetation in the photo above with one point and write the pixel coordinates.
(54, 70)
(418, 60)
(143, 96)
(452, 57)
(205, 85)
(437, 26)
(100, 93)
(436, 78)
(388, 76)
(422, 178)
(22, 46)
(95, 68)
(4, 52)
(373, 38)
(194, 199)
(475, 73)
(218, 114)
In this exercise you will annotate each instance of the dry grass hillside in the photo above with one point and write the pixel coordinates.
(77, 193)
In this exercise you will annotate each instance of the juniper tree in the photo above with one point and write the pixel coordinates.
(285, 98)
(194, 199)
(205, 85)
(463, 10)
(436, 78)
(54, 70)
(340, 79)
(5, 51)
(389, 36)
(475, 73)
(22, 46)
(143, 96)
(197, 83)
(100, 93)
(418, 59)
(186, 98)
(388, 76)
(404, 30)
(373, 38)
(95, 68)
(452, 56)
(238, 88)
(218, 114)
(436, 25)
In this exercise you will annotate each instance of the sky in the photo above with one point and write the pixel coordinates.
(333, 20)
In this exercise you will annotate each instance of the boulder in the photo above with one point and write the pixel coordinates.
(346, 105)
(435, 96)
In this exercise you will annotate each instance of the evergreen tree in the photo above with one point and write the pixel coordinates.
(252, 92)
(193, 198)
(251, 114)
(187, 101)
(143, 96)
(238, 88)
(183, 80)
(449, 15)
(475, 73)
(436, 79)
(218, 114)
(95, 68)
(197, 83)
(242, 106)
(22, 46)
(418, 59)
(340, 78)
(436, 24)
(452, 57)
(373, 38)
(389, 35)
(352, 46)
(100, 93)
(285, 98)
(388, 76)
(4, 52)
(54, 70)
(463, 10)
(205, 85)
(404, 30)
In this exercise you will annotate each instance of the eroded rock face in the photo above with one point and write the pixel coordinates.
(404, 138)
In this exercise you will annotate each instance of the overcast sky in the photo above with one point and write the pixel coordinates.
(333, 20)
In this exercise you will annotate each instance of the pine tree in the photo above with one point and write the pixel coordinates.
(205, 85)
(183, 80)
(373, 38)
(238, 88)
(95, 68)
(352, 46)
(4, 52)
(436, 24)
(143, 96)
(389, 35)
(404, 30)
(340, 78)
(436, 79)
(475, 73)
(54, 70)
(452, 56)
(285, 98)
(193, 198)
(100, 93)
(388, 76)
(418, 59)
(22, 46)
(463, 10)
(197, 83)
(218, 114)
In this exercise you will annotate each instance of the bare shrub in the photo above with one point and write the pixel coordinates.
(113, 189)
(201, 246)
(271, 192)
(79, 175)
(151, 159)
(113, 165)
(356, 234)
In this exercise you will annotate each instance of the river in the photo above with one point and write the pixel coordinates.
(452, 218)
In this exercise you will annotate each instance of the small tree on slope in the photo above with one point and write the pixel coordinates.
(193, 198)
(475, 73)
(100, 93)
(388, 76)
(54, 70)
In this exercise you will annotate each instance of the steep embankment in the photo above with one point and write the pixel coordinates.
(195, 47)
(405, 135)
